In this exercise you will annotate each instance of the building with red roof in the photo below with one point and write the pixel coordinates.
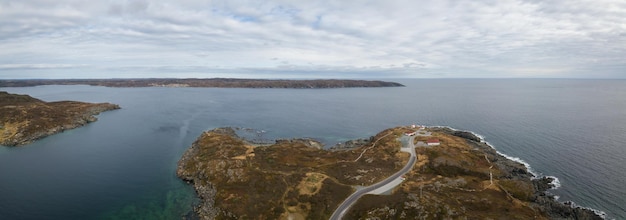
(433, 142)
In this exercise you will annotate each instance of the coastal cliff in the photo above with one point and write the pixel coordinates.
(461, 177)
(24, 119)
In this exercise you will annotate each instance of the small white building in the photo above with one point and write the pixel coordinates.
(409, 133)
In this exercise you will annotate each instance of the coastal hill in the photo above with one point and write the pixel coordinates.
(24, 119)
(212, 82)
(461, 177)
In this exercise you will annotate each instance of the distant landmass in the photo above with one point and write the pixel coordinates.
(24, 119)
(213, 82)
(451, 174)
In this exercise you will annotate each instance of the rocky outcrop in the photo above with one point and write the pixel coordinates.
(466, 134)
(24, 119)
(351, 144)
(555, 209)
(312, 143)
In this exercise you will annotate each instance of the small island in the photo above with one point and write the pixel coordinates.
(24, 119)
(211, 82)
(428, 172)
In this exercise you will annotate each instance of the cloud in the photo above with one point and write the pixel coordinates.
(305, 39)
(38, 66)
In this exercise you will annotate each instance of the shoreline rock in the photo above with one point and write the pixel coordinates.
(206, 192)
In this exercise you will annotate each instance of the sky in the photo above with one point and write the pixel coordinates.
(313, 39)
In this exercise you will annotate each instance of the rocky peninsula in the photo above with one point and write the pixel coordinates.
(24, 119)
(211, 82)
(461, 177)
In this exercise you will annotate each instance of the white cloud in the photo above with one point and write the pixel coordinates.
(38, 66)
(510, 38)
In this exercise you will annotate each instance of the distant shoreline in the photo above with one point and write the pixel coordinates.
(209, 82)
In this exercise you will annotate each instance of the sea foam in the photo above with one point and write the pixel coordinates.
(597, 212)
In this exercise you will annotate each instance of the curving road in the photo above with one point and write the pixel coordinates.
(343, 208)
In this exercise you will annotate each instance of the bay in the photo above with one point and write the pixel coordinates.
(123, 166)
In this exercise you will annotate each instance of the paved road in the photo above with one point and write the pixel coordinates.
(343, 208)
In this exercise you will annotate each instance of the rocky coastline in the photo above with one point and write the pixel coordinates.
(219, 164)
(24, 119)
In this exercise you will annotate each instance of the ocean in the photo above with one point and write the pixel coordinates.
(123, 166)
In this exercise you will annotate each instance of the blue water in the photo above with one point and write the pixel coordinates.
(123, 166)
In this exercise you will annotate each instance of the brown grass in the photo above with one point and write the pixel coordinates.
(24, 119)
(293, 181)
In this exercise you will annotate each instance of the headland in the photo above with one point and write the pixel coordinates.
(24, 119)
(455, 175)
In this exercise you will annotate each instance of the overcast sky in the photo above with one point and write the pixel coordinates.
(313, 39)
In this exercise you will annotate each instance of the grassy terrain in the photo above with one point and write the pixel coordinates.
(287, 179)
(452, 181)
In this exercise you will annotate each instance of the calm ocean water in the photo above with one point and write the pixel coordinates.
(123, 166)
